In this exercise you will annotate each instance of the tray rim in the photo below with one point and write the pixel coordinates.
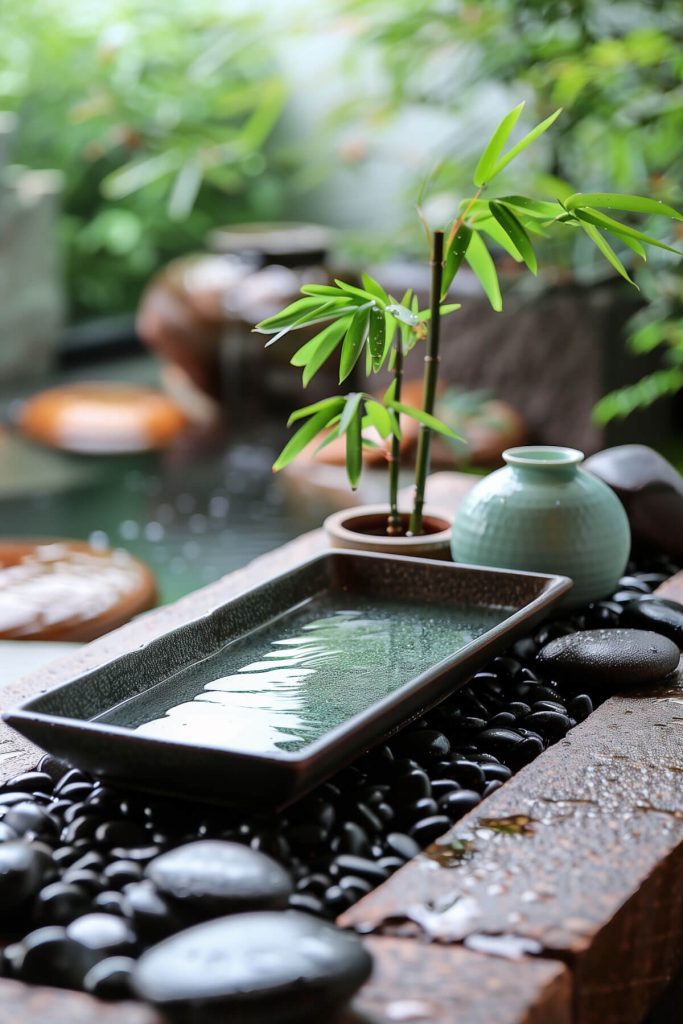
(305, 760)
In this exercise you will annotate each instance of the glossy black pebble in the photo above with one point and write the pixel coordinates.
(275, 967)
(429, 829)
(659, 614)
(213, 877)
(23, 870)
(611, 657)
(111, 978)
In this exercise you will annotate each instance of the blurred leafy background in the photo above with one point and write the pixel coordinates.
(170, 120)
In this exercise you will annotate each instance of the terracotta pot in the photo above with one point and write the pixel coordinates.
(362, 529)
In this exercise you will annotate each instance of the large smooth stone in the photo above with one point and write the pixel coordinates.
(23, 871)
(651, 490)
(659, 614)
(265, 967)
(613, 657)
(212, 877)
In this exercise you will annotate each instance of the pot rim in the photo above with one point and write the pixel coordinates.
(336, 524)
(545, 456)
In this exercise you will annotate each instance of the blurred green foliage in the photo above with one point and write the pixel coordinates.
(158, 116)
(616, 68)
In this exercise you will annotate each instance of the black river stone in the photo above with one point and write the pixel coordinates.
(214, 877)
(610, 657)
(659, 614)
(23, 870)
(261, 967)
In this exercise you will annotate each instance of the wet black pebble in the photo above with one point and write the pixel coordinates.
(658, 614)
(23, 871)
(111, 978)
(429, 829)
(611, 657)
(459, 803)
(279, 967)
(213, 877)
(60, 903)
(402, 845)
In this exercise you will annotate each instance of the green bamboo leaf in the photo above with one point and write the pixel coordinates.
(328, 311)
(288, 315)
(313, 354)
(353, 342)
(354, 448)
(332, 436)
(322, 289)
(374, 287)
(402, 313)
(606, 250)
(479, 259)
(359, 293)
(617, 201)
(388, 395)
(425, 418)
(523, 143)
(376, 336)
(601, 220)
(537, 208)
(351, 405)
(390, 328)
(516, 233)
(303, 436)
(333, 405)
(395, 425)
(455, 254)
(492, 228)
(379, 417)
(488, 159)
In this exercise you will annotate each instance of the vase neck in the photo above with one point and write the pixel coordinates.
(548, 461)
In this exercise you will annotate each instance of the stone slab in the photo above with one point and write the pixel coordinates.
(581, 853)
(36, 1004)
(419, 984)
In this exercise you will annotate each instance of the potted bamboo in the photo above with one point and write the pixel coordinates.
(367, 324)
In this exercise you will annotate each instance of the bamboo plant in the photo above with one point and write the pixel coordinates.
(366, 323)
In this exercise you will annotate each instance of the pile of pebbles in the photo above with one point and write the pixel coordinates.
(91, 877)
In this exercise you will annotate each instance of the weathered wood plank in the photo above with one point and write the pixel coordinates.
(584, 857)
(422, 984)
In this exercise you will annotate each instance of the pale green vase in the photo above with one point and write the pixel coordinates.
(543, 513)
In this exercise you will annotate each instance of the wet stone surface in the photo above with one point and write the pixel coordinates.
(608, 657)
(73, 851)
(278, 967)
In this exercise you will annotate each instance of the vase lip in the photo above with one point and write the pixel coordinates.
(543, 456)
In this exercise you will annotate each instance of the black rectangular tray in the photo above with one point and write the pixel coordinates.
(411, 610)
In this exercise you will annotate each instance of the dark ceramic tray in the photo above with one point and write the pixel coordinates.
(273, 691)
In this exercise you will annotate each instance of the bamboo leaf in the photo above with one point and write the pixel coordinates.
(359, 293)
(491, 227)
(322, 289)
(534, 134)
(313, 354)
(376, 336)
(601, 220)
(617, 201)
(288, 315)
(487, 161)
(516, 233)
(425, 418)
(379, 417)
(479, 259)
(402, 313)
(351, 405)
(353, 342)
(334, 405)
(537, 208)
(301, 438)
(606, 250)
(454, 257)
(328, 311)
(354, 448)
(374, 287)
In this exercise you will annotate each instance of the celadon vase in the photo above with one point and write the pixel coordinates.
(543, 513)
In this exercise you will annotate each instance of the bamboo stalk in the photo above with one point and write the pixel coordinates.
(394, 455)
(431, 375)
